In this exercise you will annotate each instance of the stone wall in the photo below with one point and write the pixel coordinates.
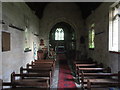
(19, 15)
(101, 53)
(61, 12)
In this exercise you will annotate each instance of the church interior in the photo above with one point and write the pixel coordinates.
(60, 45)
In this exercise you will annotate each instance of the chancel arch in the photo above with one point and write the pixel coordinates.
(62, 35)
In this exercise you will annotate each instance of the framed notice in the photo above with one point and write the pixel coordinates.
(5, 41)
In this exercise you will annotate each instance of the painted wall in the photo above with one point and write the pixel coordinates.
(20, 15)
(61, 12)
(0, 46)
(101, 53)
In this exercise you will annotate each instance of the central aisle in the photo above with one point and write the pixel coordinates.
(65, 77)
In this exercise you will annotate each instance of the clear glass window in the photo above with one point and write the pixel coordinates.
(59, 34)
(91, 36)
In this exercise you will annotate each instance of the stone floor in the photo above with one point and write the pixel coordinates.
(55, 77)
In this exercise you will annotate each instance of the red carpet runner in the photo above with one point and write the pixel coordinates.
(66, 80)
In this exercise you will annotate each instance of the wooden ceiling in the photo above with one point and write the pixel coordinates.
(85, 7)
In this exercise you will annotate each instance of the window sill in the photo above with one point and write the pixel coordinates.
(114, 52)
(91, 48)
(27, 50)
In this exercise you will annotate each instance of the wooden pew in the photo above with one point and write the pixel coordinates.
(44, 64)
(26, 88)
(100, 79)
(41, 66)
(88, 70)
(94, 76)
(35, 70)
(85, 63)
(77, 65)
(91, 69)
(102, 83)
(47, 62)
(29, 80)
(88, 65)
(44, 72)
(106, 82)
(4, 84)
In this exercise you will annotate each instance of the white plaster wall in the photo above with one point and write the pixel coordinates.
(13, 59)
(0, 39)
(0, 46)
(14, 13)
(101, 52)
(61, 12)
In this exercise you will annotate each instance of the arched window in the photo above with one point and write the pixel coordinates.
(59, 34)
(92, 36)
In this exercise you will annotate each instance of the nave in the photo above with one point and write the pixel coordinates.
(35, 35)
(65, 74)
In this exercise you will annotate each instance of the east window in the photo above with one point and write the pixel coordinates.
(59, 34)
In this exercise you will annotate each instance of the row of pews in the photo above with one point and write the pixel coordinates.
(38, 74)
(92, 75)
